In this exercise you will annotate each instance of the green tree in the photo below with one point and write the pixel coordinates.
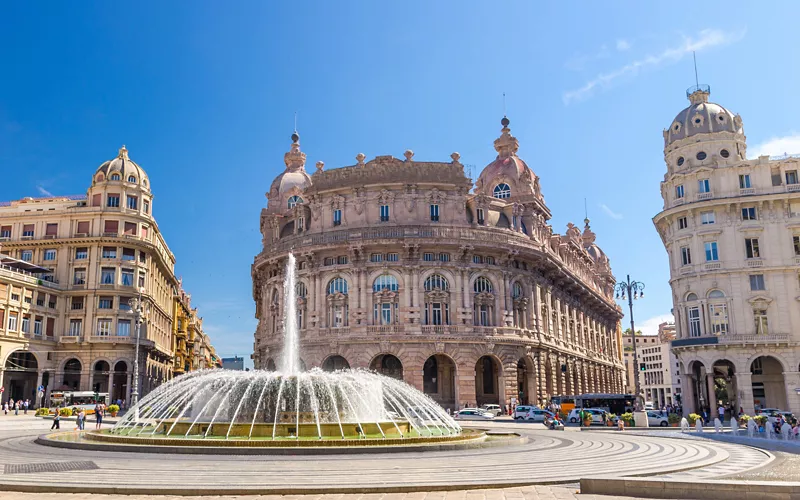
(628, 332)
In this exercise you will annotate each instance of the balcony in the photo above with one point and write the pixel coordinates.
(688, 269)
(791, 188)
(705, 196)
(70, 339)
(678, 202)
(712, 266)
(747, 191)
(757, 262)
(386, 329)
(440, 330)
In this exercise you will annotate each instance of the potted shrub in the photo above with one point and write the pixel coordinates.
(627, 418)
(673, 419)
(43, 412)
(611, 419)
(113, 410)
(761, 420)
(65, 412)
(692, 418)
(743, 419)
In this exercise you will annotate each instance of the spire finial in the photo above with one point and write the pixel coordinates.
(295, 135)
(504, 104)
(696, 80)
(123, 152)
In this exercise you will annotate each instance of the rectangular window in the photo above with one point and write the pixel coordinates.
(444, 257)
(79, 276)
(26, 255)
(749, 213)
(77, 303)
(337, 217)
(711, 251)
(757, 282)
(37, 326)
(477, 259)
(5, 231)
(791, 177)
(105, 303)
(392, 257)
(679, 192)
(130, 228)
(489, 260)
(686, 256)
(26, 324)
(342, 259)
(51, 302)
(744, 181)
(428, 257)
(51, 230)
(127, 277)
(708, 218)
(113, 201)
(144, 232)
(142, 257)
(111, 227)
(386, 314)
(83, 227)
(27, 231)
(50, 254)
(12, 321)
(384, 213)
(762, 325)
(693, 313)
(107, 276)
(682, 223)
(146, 206)
(796, 243)
(128, 254)
(141, 279)
(376, 257)
(719, 318)
(103, 327)
(124, 328)
(751, 248)
(109, 252)
(703, 186)
(480, 216)
(74, 328)
(81, 253)
(435, 213)
(329, 261)
(133, 202)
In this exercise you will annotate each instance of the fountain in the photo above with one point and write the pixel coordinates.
(698, 425)
(751, 427)
(769, 431)
(717, 425)
(786, 431)
(734, 426)
(289, 405)
(684, 425)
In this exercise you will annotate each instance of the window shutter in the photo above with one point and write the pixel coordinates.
(51, 230)
(144, 232)
(2, 318)
(130, 228)
(27, 227)
(51, 326)
(96, 200)
(111, 226)
(83, 227)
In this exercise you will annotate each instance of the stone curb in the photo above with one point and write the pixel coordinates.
(685, 489)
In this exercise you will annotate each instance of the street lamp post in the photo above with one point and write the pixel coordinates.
(633, 290)
(139, 309)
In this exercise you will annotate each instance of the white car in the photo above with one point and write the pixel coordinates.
(597, 415)
(654, 419)
(473, 414)
(493, 409)
(521, 411)
(538, 415)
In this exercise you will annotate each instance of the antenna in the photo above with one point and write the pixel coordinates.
(295, 122)
(504, 104)
(585, 208)
(696, 80)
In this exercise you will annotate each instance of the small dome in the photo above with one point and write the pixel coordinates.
(122, 169)
(508, 175)
(702, 117)
(593, 249)
(294, 176)
(288, 180)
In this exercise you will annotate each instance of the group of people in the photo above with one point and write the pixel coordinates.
(666, 410)
(16, 406)
(80, 418)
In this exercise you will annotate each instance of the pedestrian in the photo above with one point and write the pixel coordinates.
(721, 411)
(25, 405)
(98, 414)
(16, 408)
(5, 408)
(56, 421)
(81, 419)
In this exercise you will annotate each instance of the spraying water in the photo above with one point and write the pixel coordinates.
(290, 363)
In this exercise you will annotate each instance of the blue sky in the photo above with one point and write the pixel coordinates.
(204, 94)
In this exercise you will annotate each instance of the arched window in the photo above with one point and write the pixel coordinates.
(385, 282)
(337, 285)
(718, 312)
(691, 297)
(716, 294)
(502, 190)
(294, 200)
(693, 317)
(516, 290)
(300, 289)
(115, 177)
(436, 282)
(482, 284)
(131, 178)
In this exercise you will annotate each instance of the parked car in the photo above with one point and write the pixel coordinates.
(654, 419)
(773, 414)
(473, 414)
(597, 415)
(493, 409)
(649, 406)
(521, 411)
(539, 415)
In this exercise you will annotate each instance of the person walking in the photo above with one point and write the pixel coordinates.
(16, 408)
(721, 411)
(98, 414)
(56, 421)
(5, 408)
(25, 406)
(81, 419)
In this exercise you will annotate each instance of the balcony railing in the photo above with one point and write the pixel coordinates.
(732, 339)
(32, 279)
(712, 266)
(747, 191)
(688, 269)
(755, 262)
(386, 329)
(70, 339)
(679, 201)
(791, 188)
(705, 196)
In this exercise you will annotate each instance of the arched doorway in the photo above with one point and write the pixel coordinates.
(769, 388)
(100, 376)
(699, 383)
(72, 374)
(271, 364)
(525, 381)
(487, 381)
(439, 380)
(387, 364)
(334, 363)
(120, 389)
(19, 380)
(726, 392)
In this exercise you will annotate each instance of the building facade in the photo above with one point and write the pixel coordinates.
(659, 375)
(467, 295)
(731, 228)
(627, 359)
(70, 267)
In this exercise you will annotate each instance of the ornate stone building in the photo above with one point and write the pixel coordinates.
(467, 295)
(68, 268)
(731, 228)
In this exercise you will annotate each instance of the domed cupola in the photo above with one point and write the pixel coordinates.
(703, 131)
(508, 176)
(287, 189)
(591, 247)
(122, 170)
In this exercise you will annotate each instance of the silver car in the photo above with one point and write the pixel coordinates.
(537, 415)
(473, 414)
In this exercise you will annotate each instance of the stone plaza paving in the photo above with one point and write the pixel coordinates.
(517, 471)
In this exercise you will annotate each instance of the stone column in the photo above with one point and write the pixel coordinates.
(466, 386)
(579, 389)
(553, 375)
(533, 389)
(712, 395)
(791, 382)
(536, 312)
(541, 362)
(128, 392)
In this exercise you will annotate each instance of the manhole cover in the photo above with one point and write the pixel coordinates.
(49, 467)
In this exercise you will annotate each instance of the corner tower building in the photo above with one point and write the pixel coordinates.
(466, 295)
(731, 228)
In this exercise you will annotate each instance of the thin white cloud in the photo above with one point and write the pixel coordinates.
(579, 61)
(776, 146)
(650, 325)
(609, 212)
(43, 191)
(623, 45)
(705, 39)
